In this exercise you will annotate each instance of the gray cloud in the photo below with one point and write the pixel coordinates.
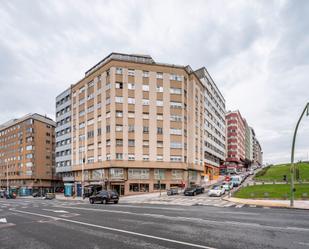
(257, 52)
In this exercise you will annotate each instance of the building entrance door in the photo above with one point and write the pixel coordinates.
(119, 188)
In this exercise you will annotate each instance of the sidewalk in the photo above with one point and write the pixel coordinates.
(270, 203)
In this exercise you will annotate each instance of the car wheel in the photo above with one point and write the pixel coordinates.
(104, 201)
(194, 193)
(115, 202)
(91, 201)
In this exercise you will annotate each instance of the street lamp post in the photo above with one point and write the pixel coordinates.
(83, 176)
(292, 169)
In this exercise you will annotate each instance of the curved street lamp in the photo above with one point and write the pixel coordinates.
(292, 169)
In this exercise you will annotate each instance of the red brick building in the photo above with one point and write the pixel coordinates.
(236, 135)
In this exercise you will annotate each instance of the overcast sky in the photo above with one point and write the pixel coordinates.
(256, 51)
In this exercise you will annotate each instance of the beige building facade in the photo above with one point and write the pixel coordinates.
(27, 154)
(137, 125)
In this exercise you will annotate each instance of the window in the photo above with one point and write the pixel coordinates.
(176, 77)
(159, 130)
(118, 70)
(90, 121)
(90, 159)
(145, 101)
(29, 156)
(131, 86)
(91, 83)
(146, 88)
(176, 145)
(159, 174)
(159, 75)
(138, 173)
(108, 157)
(145, 115)
(119, 156)
(145, 129)
(116, 173)
(90, 134)
(108, 142)
(176, 105)
(131, 72)
(131, 157)
(159, 117)
(145, 74)
(175, 118)
(82, 89)
(131, 114)
(175, 90)
(119, 142)
(29, 147)
(119, 99)
(174, 131)
(160, 89)
(108, 128)
(131, 128)
(82, 137)
(90, 96)
(131, 101)
(119, 85)
(175, 158)
(145, 157)
(82, 113)
(108, 86)
(160, 144)
(108, 114)
(119, 127)
(119, 114)
(131, 142)
(159, 158)
(90, 109)
(159, 103)
(145, 143)
(177, 174)
(108, 101)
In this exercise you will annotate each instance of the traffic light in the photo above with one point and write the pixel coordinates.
(284, 178)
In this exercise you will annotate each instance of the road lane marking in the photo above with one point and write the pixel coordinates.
(3, 220)
(118, 230)
(55, 211)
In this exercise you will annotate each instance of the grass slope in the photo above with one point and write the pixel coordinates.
(276, 172)
(275, 191)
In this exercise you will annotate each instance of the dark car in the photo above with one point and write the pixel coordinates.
(104, 197)
(194, 190)
(38, 194)
(172, 191)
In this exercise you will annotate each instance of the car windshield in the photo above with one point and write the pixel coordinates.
(189, 189)
(216, 187)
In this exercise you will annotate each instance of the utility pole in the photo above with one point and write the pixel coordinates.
(7, 178)
(292, 169)
(160, 181)
(83, 176)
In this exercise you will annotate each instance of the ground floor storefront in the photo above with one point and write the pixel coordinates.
(129, 181)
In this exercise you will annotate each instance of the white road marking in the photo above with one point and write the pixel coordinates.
(118, 230)
(56, 211)
(3, 220)
(303, 243)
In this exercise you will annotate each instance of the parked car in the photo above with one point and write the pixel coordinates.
(236, 180)
(251, 172)
(227, 186)
(227, 179)
(194, 190)
(38, 194)
(50, 196)
(104, 197)
(216, 190)
(2, 193)
(172, 191)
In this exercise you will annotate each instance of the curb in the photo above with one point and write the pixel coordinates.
(264, 204)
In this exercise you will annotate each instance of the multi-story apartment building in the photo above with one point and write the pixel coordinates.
(236, 136)
(27, 154)
(63, 140)
(257, 153)
(136, 123)
(214, 125)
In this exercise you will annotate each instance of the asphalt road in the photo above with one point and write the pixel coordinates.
(32, 223)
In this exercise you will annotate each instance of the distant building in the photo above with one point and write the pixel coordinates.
(27, 154)
(236, 142)
(214, 125)
(64, 140)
